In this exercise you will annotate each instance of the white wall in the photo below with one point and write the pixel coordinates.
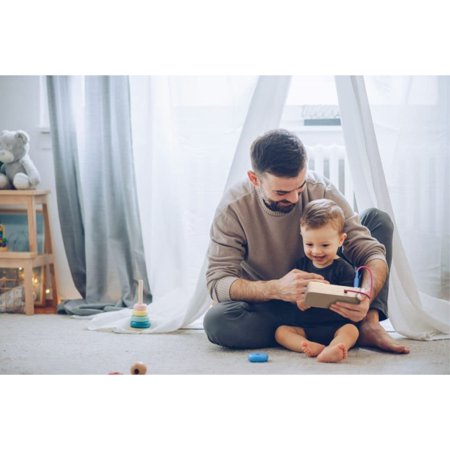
(20, 109)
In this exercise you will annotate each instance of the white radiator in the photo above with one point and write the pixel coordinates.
(330, 161)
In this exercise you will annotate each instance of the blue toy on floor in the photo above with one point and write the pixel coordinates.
(258, 357)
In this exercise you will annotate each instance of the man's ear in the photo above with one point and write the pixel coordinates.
(253, 178)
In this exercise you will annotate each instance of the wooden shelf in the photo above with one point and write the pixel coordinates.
(11, 193)
(26, 201)
(17, 255)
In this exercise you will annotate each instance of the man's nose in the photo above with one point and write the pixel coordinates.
(292, 196)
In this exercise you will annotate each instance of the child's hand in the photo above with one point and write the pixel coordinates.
(353, 312)
(301, 305)
(363, 295)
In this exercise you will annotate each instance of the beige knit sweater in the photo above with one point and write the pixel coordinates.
(250, 241)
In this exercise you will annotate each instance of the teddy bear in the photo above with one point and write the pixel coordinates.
(17, 170)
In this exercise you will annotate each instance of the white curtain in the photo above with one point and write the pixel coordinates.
(191, 139)
(401, 166)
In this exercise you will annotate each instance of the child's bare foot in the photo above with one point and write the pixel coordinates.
(311, 348)
(333, 354)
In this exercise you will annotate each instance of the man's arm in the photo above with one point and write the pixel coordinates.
(379, 270)
(289, 288)
(252, 290)
(359, 246)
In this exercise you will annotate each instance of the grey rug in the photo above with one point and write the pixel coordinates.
(56, 344)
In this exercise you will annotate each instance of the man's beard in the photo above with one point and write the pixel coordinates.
(281, 206)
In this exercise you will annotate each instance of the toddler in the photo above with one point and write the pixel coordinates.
(328, 336)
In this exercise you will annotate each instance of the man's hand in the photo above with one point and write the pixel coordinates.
(353, 312)
(301, 305)
(292, 286)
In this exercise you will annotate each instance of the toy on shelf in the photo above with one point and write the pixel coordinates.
(3, 240)
(18, 170)
(139, 319)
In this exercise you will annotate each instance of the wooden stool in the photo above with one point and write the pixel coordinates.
(28, 200)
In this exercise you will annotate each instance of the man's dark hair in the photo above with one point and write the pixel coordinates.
(278, 152)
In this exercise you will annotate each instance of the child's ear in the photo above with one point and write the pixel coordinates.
(342, 239)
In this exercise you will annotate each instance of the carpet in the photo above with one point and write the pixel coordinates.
(59, 344)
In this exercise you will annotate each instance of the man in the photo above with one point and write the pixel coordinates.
(255, 241)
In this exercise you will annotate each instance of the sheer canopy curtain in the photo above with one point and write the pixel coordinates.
(397, 141)
(191, 139)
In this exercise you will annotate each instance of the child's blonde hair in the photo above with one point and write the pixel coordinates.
(322, 212)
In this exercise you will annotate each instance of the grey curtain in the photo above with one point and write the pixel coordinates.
(96, 192)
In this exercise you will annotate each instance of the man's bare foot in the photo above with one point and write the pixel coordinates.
(311, 348)
(333, 354)
(374, 335)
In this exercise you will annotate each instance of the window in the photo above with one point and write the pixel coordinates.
(44, 121)
(312, 112)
